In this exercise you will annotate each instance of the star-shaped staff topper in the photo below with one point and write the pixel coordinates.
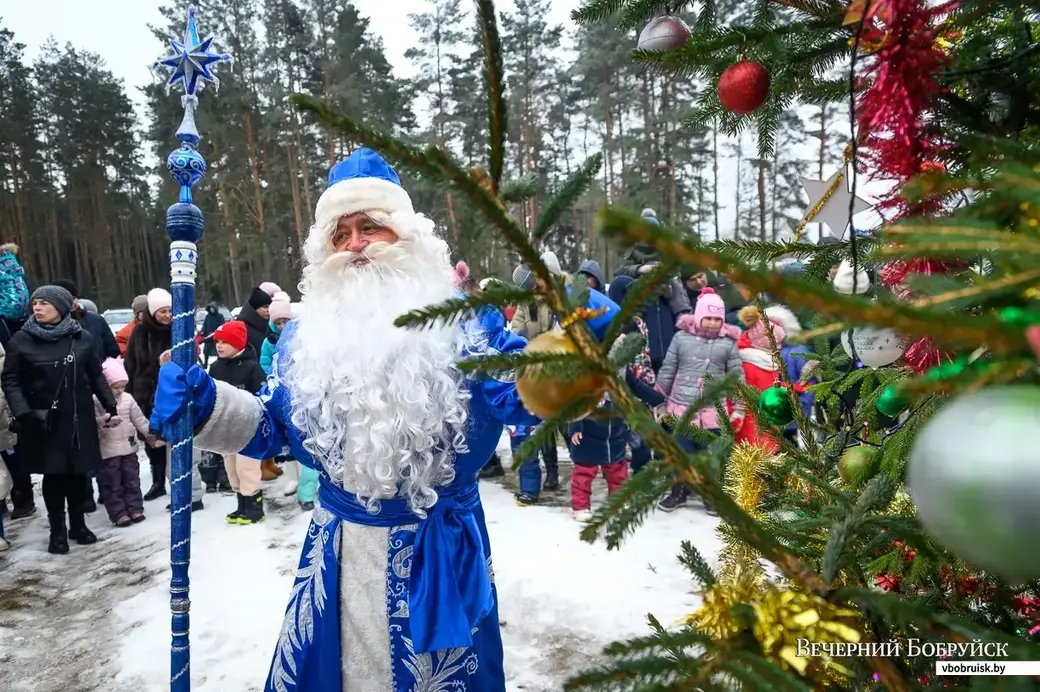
(835, 212)
(190, 61)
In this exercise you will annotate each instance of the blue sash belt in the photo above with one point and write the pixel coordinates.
(449, 586)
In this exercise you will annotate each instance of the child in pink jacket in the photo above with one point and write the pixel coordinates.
(120, 473)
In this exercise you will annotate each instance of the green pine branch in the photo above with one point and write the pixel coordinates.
(495, 90)
(883, 310)
(569, 193)
(453, 310)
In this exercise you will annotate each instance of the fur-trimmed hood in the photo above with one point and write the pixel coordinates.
(782, 315)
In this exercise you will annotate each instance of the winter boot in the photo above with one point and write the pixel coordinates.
(89, 507)
(526, 499)
(225, 488)
(307, 506)
(59, 541)
(236, 516)
(552, 477)
(23, 510)
(158, 488)
(269, 470)
(250, 510)
(78, 530)
(677, 498)
(582, 515)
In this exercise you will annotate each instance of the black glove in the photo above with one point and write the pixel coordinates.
(30, 423)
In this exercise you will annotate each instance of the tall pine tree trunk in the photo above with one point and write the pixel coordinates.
(715, 175)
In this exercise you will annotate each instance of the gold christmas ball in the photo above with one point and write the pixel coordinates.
(545, 397)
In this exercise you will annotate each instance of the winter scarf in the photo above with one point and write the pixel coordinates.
(51, 332)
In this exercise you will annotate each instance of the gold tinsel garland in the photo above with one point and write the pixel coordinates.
(745, 483)
(782, 615)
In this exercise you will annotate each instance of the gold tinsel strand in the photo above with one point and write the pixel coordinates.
(783, 616)
(744, 483)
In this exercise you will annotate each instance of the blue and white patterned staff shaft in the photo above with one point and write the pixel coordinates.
(189, 63)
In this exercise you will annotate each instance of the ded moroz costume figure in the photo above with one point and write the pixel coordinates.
(395, 590)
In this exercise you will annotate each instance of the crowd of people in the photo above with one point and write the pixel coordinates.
(77, 399)
(700, 325)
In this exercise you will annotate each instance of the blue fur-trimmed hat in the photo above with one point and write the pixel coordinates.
(363, 181)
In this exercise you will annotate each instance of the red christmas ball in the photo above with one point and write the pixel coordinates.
(744, 86)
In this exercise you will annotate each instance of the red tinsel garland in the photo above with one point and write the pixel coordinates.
(892, 112)
(892, 115)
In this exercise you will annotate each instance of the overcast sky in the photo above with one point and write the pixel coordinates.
(117, 30)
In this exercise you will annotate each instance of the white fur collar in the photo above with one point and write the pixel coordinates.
(760, 359)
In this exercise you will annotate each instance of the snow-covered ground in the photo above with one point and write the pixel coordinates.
(98, 618)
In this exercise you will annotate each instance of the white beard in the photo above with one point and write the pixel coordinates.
(380, 406)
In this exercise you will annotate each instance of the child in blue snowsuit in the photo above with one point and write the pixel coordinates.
(530, 472)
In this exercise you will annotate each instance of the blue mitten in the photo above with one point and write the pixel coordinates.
(597, 300)
(176, 388)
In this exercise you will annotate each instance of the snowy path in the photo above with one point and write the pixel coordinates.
(98, 618)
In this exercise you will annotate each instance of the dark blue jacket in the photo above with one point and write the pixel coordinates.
(104, 340)
(604, 441)
(658, 316)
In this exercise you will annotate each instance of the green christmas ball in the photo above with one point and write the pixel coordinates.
(974, 475)
(891, 402)
(947, 370)
(1018, 317)
(858, 464)
(774, 405)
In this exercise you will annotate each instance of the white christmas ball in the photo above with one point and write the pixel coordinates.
(873, 347)
(663, 34)
(974, 475)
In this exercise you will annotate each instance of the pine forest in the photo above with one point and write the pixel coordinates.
(82, 188)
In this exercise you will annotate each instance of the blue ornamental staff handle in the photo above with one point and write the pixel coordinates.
(189, 62)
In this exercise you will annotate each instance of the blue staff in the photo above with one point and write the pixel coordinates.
(190, 63)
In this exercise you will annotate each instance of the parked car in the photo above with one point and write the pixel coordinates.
(117, 319)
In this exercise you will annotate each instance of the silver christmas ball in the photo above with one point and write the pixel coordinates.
(873, 347)
(974, 475)
(663, 34)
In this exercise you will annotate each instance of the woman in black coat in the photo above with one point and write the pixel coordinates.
(149, 340)
(51, 374)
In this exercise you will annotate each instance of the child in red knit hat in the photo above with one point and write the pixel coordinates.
(237, 365)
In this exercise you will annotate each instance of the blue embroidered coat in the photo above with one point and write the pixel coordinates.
(434, 625)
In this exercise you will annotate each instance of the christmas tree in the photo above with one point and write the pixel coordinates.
(907, 518)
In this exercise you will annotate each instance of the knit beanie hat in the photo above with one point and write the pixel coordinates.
(57, 296)
(233, 334)
(270, 288)
(88, 305)
(282, 296)
(69, 286)
(140, 304)
(524, 277)
(158, 298)
(709, 304)
(114, 371)
(259, 298)
(756, 328)
(281, 310)
(651, 216)
(842, 280)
